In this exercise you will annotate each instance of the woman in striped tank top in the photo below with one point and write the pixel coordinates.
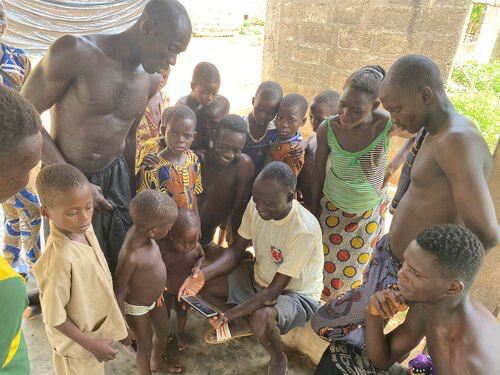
(350, 199)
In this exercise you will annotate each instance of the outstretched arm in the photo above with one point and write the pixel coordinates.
(461, 158)
(319, 171)
(64, 61)
(398, 159)
(265, 297)
(222, 266)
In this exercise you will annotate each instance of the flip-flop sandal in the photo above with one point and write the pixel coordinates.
(223, 335)
(286, 366)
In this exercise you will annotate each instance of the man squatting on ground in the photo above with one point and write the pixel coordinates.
(280, 289)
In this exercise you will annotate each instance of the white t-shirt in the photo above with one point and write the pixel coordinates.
(291, 246)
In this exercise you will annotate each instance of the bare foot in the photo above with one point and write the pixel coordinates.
(182, 343)
(278, 366)
(167, 365)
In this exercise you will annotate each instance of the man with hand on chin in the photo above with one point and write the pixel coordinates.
(462, 336)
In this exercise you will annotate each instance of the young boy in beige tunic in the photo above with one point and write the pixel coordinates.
(80, 312)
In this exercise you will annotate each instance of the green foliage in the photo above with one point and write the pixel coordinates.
(253, 27)
(481, 106)
(475, 19)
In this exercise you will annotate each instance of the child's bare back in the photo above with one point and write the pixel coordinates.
(149, 274)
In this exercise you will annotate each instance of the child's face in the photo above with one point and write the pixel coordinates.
(228, 145)
(288, 121)
(211, 119)
(318, 112)
(264, 110)
(186, 241)
(180, 135)
(73, 211)
(205, 93)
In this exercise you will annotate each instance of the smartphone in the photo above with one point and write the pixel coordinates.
(200, 306)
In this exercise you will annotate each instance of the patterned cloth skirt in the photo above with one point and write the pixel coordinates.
(348, 242)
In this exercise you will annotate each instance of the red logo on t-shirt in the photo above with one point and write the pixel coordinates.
(277, 255)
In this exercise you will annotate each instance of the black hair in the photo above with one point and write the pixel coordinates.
(204, 73)
(328, 97)
(269, 90)
(178, 111)
(412, 72)
(151, 208)
(56, 179)
(220, 104)
(18, 119)
(295, 101)
(281, 173)
(232, 122)
(186, 218)
(367, 79)
(457, 250)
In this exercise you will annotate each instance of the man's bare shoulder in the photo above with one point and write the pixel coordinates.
(462, 139)
(244, 166)
(481, 342)
(77, 46)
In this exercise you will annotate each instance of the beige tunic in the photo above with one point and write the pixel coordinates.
(75, 283)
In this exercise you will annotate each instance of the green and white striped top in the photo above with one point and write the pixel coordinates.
(354, 181)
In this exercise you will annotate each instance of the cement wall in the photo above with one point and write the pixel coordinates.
(315, 45)
(486, 287)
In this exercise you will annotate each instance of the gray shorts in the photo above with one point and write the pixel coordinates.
(294, 309)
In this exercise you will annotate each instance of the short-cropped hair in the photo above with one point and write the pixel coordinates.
(151, 208)
(458, 251)
(18, 119)
(56, 179)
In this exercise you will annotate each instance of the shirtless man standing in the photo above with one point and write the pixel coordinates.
(227, 178)
(449, 184)
(462, 336)
(97, 86)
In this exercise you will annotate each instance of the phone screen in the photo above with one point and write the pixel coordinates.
(200, 306)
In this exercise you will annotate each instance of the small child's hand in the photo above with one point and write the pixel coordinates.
(160, 300)
(297, 150)
(195, 271)
(103, 351)
(128, 340)
(150, 159)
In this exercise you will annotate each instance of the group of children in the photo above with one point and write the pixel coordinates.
(86, 309)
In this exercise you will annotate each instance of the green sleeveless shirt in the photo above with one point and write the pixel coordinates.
(354, 181)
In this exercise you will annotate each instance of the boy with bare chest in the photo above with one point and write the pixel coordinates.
(141, 277)
(183, 256)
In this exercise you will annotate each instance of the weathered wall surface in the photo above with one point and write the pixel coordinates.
(486, 287)
(312, 46)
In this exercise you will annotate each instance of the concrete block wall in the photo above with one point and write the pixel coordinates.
(315, 45)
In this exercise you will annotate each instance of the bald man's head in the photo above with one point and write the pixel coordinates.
(165, 30)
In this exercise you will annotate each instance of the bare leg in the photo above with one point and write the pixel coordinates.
(264, 325)
(159, 318)
(141, 326)
(181, 310)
